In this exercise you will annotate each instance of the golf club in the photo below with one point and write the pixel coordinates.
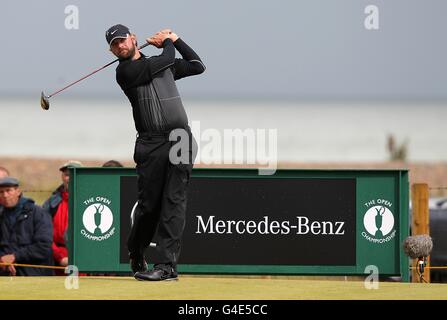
(45, 100)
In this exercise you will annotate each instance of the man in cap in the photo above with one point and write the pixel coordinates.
(149, 84)
(57, 207)
(25, 233)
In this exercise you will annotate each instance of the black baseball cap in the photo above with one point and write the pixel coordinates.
(115, 32)
(9, 182)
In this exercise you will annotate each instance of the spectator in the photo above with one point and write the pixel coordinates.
(113, 163)
(25, 232)
(57, 207)
(3, 172)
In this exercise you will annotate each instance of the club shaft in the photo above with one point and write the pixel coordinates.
(90, 74)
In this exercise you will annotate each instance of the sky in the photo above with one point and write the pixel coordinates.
(309, 49)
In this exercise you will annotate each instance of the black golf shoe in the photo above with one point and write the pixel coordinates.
(138, 265)
(157, 274)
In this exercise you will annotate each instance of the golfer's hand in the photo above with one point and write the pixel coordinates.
(158, 38)
(171, 34)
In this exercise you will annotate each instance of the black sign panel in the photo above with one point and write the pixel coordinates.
(262, 221)
(128, 199)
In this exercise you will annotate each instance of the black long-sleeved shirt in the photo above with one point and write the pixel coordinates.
(149, 85)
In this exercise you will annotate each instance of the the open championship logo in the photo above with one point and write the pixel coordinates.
(97, 220)
(378, 221)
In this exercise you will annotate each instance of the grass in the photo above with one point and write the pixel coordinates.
(213, 288)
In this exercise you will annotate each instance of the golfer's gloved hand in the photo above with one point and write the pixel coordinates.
(158, 38)
(173, 36)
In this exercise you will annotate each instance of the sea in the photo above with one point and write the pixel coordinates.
(299, 131)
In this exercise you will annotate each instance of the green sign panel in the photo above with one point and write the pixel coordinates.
(292, 222)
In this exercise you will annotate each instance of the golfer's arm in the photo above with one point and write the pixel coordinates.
(131, 74)
(165, 60)
(190, 65)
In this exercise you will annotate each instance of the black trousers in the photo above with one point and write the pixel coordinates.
(162, 197)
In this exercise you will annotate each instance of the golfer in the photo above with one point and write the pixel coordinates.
(149, 84)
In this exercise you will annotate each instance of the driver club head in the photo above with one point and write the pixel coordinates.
(44, 101)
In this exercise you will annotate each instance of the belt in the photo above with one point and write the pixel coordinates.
(158, 134)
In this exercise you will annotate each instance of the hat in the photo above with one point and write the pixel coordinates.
(71, 163)
(117, 31)
(9, 182)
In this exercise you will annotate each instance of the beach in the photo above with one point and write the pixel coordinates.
(350, 131)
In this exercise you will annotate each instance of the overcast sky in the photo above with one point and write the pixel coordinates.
(252, 48)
